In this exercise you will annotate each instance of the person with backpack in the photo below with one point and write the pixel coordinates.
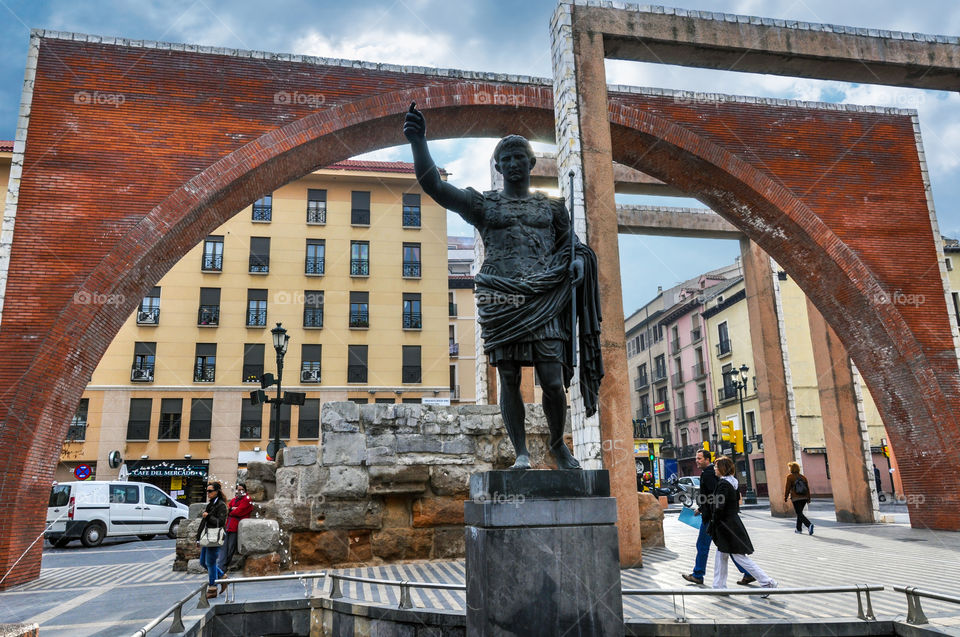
(798, 490)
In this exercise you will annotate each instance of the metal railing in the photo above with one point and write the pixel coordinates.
(412, 321)
(359, 267)
(677, 379)
(454, 350)
(259, 264)
(659, 376)
(359, 217)
(411, 218)
(695, 335)
(177, 611)
(316, 212)
(411, 269)
(724, 348)
(915, 613)
(405, 586)
(256, 318)
(862, 590)
(262, 212)
(640, 382)
(359, 319)
(208, 315)
(699, 371)
(313, 317)
(726, 393)
(212, 262)
(314, 265)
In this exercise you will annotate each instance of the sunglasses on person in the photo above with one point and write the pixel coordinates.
(211, 490)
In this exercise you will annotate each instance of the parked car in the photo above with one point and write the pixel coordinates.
(692, 481)
(94, 509)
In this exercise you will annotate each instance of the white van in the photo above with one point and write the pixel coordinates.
(94, 509)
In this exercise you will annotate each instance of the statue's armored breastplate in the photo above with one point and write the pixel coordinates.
(518, 235)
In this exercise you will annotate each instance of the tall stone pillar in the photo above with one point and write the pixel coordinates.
(780, 444)
(584, 143)
(844, 426)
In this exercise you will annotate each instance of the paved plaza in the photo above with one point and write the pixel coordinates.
(117, 588)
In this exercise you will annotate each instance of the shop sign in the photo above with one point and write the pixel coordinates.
(169, 468)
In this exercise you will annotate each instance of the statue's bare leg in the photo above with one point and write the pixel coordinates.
(511, 406)
(555, 409)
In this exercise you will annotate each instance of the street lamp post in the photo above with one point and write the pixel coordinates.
(280, 342)
(741, 384)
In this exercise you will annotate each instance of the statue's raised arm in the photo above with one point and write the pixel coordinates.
(447, 195)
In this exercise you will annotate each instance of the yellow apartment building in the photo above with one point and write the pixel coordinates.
(463, 320)
(351, 260)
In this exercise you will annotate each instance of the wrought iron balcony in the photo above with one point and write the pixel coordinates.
(262, 212)
(411, 218)
(359, 267)
(695, 335)
(316, 212)
(313, 317)
(644, 412)
(356, 373)
(411, 374)
(252, 373)
(204, 373)
(455, 392)
(142, 373)
(701, 408)
(251, 431)
(411, 269)
(724, 348)
(149, 316)
(677, 378)
(360, 217)
(212, 263)
(359, 319)
(256, 318)
(454, 350)
(699, 371)
(412, 321)
(208, 315)
(659, 375)
(640, 382)
(314, 265)
(259, 264)
(675, 345)
(680, 414)
(726, 393)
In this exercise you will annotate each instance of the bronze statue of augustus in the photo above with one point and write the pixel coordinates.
(525, 288)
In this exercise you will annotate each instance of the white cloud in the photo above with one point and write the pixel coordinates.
(377, 45)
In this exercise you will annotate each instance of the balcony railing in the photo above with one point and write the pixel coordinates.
(142, 373)
(77, 433)
(701, 407)
(212, 263)
(252, 373)
(667, 439)
(359, 319)
(659, 375)
(262, 212)
(149, 316)
(356, 373)
(259, 264)
(454, 349)
(666, 407)
(412, 321)
(316, 213)
(640, 382)
(360, 217)
(688, 451)
(250, 431)
(313, 317)
(644, 412)
(726, 393)
(359, 267)
(675, 345)
(208, 315)
(204, 373)
(411, 218)
(411, 269)
(677, 378)
(314, 265)
(699, 371)
(310, 372)
(455, 392)
(680, 414)
(695, 335)
(724, 348)
(411, 374)
(256, 318)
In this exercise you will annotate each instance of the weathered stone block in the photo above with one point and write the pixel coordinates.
(402, 544)
(381, 456)
(186, 547)
(256, 490)
(651, 533)
(432, 459)
(650, 508)
(448, 544)
(258, 536)
(476, 424)
(360, 549)
(301, 455)
(197, 509)
(336, 514)
(458, 445)
(413, 443)
(454, 479)
(396, 512)
(340, 416)
(260, 565)
(288, 482)
(437, 512)
(293, 515)
(343, 448)
(345, 482)
(312, 479)
(319, 548)
(262, 471)
(400, 473)
(193, 566)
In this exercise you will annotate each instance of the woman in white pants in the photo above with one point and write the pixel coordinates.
(727, 530)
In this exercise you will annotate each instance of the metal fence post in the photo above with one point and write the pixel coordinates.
(405, 601)
(335, 592)
(863, 589)
(204, 602)
(914, 610)
(177, 625)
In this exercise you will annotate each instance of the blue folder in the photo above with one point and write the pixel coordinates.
(687, 517)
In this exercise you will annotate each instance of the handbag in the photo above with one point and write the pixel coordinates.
(212, 537)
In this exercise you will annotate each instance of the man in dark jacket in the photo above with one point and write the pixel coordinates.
(708, 484)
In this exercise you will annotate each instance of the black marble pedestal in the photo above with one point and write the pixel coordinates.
(542, 557)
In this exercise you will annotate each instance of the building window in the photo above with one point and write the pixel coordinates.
(316, 205)
(144, 361)
(956, 305)
(171, 410)
(204, 370)
(251, 420)
(411, 260)
(359, 309)
(660, 368)
(751, 424)
(310, 363)
(412, 318)
(259, 255)
(284, 421)
(645, 406)
(360, 208)
(149, 311)
(452, 339)
(356, 363)
(212, 254)
(308, 425)
(723, 340)
(411, 364)
(263, 208)
(411, 210)
(138, 424)
(252, 362)
(201, 417)
(360, 401)
(316, 251)
(642, 379)
(313, 308)
(209, 312)
(256, 308)
(359, 258)
(78, 425)
(385, 401)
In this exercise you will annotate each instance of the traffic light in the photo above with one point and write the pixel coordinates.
(727, 430)
(651, 454)
(706, 445)
(738, 441)
(885, 449)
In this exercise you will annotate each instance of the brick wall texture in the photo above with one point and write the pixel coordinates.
(134, 152)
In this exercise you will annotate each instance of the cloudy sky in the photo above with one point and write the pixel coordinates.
(507, 36)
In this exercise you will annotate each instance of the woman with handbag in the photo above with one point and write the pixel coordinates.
(727, 530)
(210, 535)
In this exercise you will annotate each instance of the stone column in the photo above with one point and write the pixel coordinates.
(780, 444)
(115, 413)
(224, 436)
(584, 143)
(844, 426)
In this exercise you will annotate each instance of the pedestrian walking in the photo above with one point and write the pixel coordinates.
(876, 478)
(797, 489)
(239, 508)
(214, 517)
(708, 484)
(727, 530)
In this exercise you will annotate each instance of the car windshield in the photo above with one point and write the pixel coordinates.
(59, 495)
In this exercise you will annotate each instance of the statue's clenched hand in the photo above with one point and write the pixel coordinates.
(414, 125)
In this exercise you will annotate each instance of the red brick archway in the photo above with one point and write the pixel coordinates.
(203, 130)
